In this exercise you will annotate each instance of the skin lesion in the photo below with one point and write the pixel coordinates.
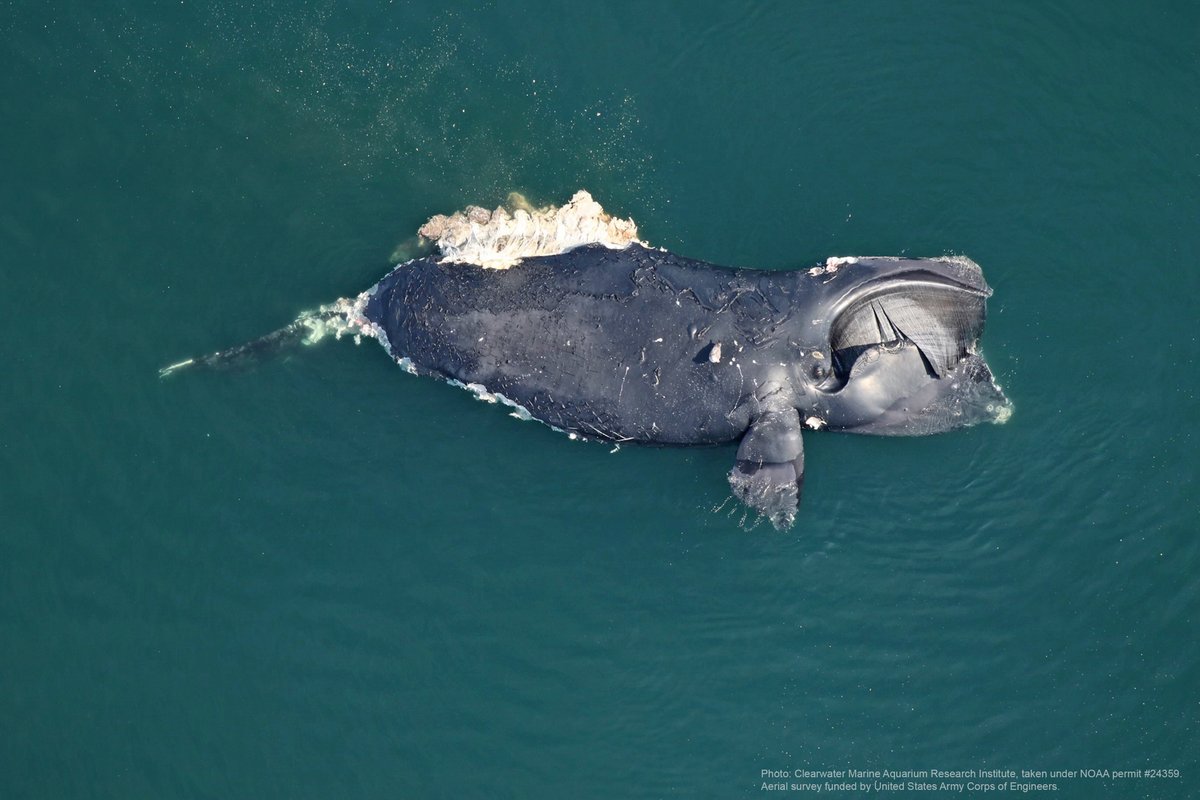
(501, 238)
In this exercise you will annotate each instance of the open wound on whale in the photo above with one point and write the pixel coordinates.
(500, 238)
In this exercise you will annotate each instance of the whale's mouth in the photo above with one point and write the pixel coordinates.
(940, 317)
(902, 351)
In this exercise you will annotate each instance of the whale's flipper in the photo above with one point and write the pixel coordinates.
(769, 473)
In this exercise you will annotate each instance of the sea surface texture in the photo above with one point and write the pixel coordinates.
(322, 577)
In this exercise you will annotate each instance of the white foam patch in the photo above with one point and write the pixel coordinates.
(342, 317)
(501, 238)
(1003, 411)
(481, 393)
(961, 261)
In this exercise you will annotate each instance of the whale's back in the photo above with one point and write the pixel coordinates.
(609, 343)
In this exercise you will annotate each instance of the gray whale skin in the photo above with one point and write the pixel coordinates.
(640, 345)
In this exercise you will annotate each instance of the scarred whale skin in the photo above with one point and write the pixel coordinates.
(641, 345)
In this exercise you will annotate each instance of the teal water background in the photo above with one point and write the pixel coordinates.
(326, 578)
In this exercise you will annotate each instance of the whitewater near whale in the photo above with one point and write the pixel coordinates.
(564, 314)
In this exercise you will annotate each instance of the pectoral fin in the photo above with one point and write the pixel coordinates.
(769, 472)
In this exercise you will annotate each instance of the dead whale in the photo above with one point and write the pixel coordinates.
(565, 315)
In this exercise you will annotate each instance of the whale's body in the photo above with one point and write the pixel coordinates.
(640, 345)
(565, 314)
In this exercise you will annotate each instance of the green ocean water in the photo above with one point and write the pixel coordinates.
(323, 577)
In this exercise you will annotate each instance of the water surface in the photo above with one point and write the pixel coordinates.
(324, 577)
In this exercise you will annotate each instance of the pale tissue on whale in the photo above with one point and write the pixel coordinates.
(501, 238)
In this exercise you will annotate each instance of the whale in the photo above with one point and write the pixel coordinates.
(620, 342)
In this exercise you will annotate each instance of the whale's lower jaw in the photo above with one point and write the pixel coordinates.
(966, 396)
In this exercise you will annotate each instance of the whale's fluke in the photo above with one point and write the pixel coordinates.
(308, 328)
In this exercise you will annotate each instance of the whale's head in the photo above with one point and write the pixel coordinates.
(894, 350)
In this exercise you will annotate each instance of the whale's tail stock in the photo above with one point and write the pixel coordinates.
(495, 239)
(308, 328)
